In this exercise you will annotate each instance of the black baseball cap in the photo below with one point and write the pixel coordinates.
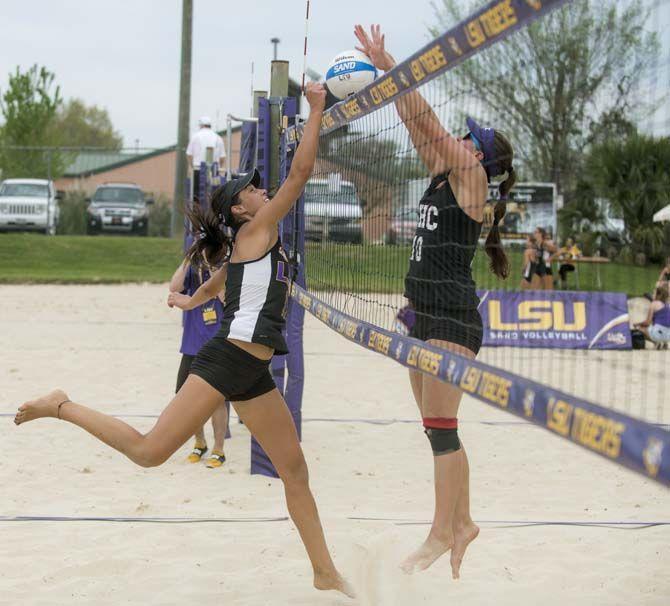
(232, 188)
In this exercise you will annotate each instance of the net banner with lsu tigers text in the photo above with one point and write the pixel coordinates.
(487, 26)
(640, 446)
(555, 319)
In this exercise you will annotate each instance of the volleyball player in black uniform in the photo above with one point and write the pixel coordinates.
(544, 249)
(440, 287)
(529, 278)
(234, 365)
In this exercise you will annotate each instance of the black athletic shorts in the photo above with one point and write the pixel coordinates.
(541, 269)
(233, 372)
(184, 369)
(529, 272)
(461, 326)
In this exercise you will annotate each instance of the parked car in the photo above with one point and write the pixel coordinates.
(402, 226)
(333, 210)
(119, 208)
(29, 204)
(405, 211)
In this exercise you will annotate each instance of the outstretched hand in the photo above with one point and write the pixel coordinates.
(373, 47)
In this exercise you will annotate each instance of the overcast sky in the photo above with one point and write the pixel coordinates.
(124, 55)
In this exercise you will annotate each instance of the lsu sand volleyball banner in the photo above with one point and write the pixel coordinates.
(487, 26)
(643, 447)
(555, 319)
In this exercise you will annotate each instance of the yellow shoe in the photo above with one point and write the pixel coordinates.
(216, 459)
(196, 454)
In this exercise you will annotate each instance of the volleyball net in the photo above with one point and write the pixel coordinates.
(558, 332)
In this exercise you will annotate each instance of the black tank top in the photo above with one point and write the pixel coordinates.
(257, 300)
(440, 276)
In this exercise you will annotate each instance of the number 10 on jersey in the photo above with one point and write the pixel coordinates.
(417, 244)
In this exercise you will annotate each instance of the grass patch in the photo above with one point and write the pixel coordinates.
(367, 268)
(34, 258)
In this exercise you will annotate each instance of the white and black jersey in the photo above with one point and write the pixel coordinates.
(257, 300)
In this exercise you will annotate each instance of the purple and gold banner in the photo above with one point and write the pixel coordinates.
(487, 26)
(636, 444)
(555, 319)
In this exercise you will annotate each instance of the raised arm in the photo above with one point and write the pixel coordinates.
(208, 290)
(438, 150)
(303, 162)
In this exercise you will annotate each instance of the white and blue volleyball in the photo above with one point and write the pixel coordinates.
(349, 72)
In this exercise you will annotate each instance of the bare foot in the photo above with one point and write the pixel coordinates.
(46, 406)
(423, 557)
(337, 582)
(462, 538)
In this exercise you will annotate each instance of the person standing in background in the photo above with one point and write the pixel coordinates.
(544, 250)
(196, 152)
(199, 326)
(529, 279)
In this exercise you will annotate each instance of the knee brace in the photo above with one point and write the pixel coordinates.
(442, 434)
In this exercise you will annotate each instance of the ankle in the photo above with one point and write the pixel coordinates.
(326, 573)
(442, 535)
(463, 522)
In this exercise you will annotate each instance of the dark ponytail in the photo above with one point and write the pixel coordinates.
(498, 261)
(212, 245)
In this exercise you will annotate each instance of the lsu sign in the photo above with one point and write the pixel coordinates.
(555, 319)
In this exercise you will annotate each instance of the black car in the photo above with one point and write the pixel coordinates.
(118, 208)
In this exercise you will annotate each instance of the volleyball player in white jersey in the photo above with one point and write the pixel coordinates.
(235, 364)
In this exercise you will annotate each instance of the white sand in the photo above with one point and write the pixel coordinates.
(115, 348)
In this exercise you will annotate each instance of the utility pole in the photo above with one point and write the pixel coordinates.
(184, 113)
(275, 42)
(278, 90)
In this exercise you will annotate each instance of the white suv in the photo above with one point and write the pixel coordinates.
(29, 204)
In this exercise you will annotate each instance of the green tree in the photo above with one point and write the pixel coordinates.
(28, 107)
(550, 84)
(633, 175)
(79, 125)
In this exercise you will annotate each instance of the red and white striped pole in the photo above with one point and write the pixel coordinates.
(304, 56)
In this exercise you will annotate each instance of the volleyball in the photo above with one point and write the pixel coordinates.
(349, 72)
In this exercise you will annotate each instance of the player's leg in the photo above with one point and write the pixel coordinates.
(200, 446)
(268, 419)
(188, 410)
(452, 525)
(219, 425)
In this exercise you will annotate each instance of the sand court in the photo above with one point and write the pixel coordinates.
(115, 348)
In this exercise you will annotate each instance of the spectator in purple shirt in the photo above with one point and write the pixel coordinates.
(200, 325)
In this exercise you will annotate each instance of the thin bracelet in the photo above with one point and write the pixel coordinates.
(63, 402)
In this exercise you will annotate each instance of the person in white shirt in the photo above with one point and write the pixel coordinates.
(196, 152)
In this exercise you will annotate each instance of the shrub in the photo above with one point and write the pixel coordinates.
(72, 219)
